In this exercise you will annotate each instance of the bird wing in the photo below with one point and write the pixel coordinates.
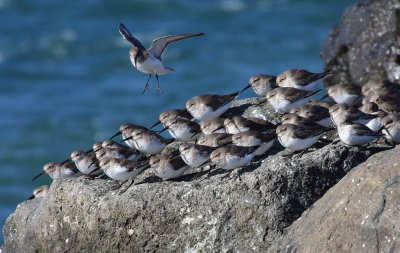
(217, 101)
(297, 94)
(129, 37)
(364, 130)
(158, 45)
(307, 77)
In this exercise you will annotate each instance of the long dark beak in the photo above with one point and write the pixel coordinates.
(90, 173)
(162, 130)
(118, 133)
(201, 165)
(387, 131)
(245, 88)
(127, 139)
(95, 150)
(155, 124)
(217, 129)
(324, 97)
(90, 151)
(38, 175)
(66, 161)
(195, 134)
(31, 197)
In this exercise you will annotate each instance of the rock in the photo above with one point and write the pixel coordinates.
(245, 210)
(366, 44)
(359, 214)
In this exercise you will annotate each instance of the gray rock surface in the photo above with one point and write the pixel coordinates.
(359, 214)
(245, 211)
(366, 44)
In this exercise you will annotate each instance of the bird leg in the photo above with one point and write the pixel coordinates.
(146, 86)
(158, 86)
(121, 192)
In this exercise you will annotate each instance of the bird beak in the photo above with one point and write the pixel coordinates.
(162, 130)
(195, 134)
(90, 151)
(38, 175)
(387, 131)
(90, 173)
(245, 88)
(201, 165)
(64, 162)
(118, 133)
(324, 97)
(155, 124)
(31, 197)
(127, 139)
(217, 129)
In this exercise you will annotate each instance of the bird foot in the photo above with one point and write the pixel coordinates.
(146, 87)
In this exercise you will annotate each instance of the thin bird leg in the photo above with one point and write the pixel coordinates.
(119, 186)
(146, 86)
(121, 192)
(226, 175)
(198, 173)
(158, 86)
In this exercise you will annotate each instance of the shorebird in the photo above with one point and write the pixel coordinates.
(285, 98)
(254, 138)
(232, 157)
(316, 113)
(342, 112)
(147, 141)
(348, 94)
(391, 124)
(301, 79)
(125, 130)
(40, 192)
(149, 61)
(299, 137)
(261, 84)
(122, 169)
(59, 170)
(167, 166)
(195, 155)
(86, 163)
(239, 124)
(354, 134)
(215, 140)
(182, 129)
(205, 107)
(215, 125)
(171, 114)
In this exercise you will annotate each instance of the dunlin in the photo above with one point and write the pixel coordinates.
(209, 106)
(301, 79)
(149, 61)
(285, 98)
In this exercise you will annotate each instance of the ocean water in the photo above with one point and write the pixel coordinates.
(66, 80)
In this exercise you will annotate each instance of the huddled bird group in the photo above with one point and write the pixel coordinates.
(205, 137)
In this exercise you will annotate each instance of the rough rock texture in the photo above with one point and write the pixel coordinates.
(359, 214)
(366, 44)
(244, 211)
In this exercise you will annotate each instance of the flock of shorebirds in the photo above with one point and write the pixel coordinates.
(360, 115)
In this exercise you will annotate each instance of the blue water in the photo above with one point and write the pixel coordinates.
(66, 80)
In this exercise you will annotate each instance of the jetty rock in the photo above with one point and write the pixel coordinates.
(359, 214)
(278, 203)
(365, 45)
(246, 210)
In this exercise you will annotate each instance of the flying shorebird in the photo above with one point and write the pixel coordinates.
(149, 61)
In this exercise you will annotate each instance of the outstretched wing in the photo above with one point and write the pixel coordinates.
(158, 45)
(129, 37)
